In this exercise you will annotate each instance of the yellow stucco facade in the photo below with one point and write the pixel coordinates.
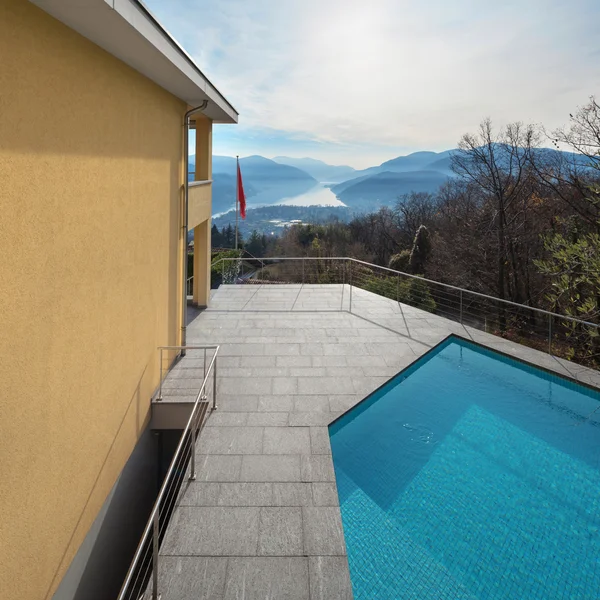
(91, 243)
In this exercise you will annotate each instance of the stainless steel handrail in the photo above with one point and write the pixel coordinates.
(161, 349)
(432, 281)
(191, 429)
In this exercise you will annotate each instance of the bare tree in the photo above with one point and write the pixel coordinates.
(499, 165)
(413, 210)
(583, 136)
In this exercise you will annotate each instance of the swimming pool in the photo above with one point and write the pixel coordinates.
(471, 475)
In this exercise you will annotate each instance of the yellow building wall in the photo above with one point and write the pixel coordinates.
(90, 278)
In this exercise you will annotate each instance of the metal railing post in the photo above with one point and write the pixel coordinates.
(350, 282)
(161, 376)
(303, 271)
(155, 533)
(461, 306)
(343, 283)
(214, 406)
(398, 289)
(193, 453)
(550, 335)
(222, 270)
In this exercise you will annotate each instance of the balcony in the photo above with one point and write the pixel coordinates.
(262, 518)
(199, 208)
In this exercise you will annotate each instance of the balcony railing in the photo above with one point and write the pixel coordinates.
(556, 334)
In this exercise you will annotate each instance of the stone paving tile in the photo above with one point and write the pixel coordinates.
(307, 372)
(237, 404)
(343, 403)
(280, 531)
(292, 494)
(312, 349)
(330, 361)
(231, 440)
(293, 361)
(329, 578)
(267, 419)
(323, 533)
(342, 371)
(220, 418)
(317, 467)
(245, 494)
(266, 578)
(286, 440)
(256, 361)
(198, 493)
(270, 467)
(204, 578)
(185, 373)
(307, 403)
(309, 419)
(242, 350)
(281, 349)
(325, 494)
(275, 404)
(221, 467)
(245, 386)
(367, 385)
(226, 372)
(325, 385)
(212, 531)
(319, 440)
(283, 386)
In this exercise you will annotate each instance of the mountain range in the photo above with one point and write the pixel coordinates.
(283, 179)
(318, 169)
(268, 182)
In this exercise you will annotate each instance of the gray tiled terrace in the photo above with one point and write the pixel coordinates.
(262, 520)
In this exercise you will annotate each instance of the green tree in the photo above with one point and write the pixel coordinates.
(254, 245)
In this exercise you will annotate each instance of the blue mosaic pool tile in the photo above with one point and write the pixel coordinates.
(472, 476)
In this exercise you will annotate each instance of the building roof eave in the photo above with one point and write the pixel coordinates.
(128, 30)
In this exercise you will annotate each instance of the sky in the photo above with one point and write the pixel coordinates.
(359, 82)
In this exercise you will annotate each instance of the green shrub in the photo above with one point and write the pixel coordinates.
(225, 271)
(400, 261)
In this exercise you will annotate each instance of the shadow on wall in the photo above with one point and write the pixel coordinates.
(99, 568)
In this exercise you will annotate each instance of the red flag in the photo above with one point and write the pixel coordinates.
(241, 197)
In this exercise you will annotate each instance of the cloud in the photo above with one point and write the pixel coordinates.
(364, 76)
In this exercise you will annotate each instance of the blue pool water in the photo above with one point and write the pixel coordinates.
(471, 475)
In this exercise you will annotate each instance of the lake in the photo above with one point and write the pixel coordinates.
(317, 196)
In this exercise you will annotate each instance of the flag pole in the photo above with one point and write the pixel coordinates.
(237, 195)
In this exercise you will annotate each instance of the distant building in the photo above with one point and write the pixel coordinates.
(93, 95)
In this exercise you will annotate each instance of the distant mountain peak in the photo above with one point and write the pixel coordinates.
(318, 169)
